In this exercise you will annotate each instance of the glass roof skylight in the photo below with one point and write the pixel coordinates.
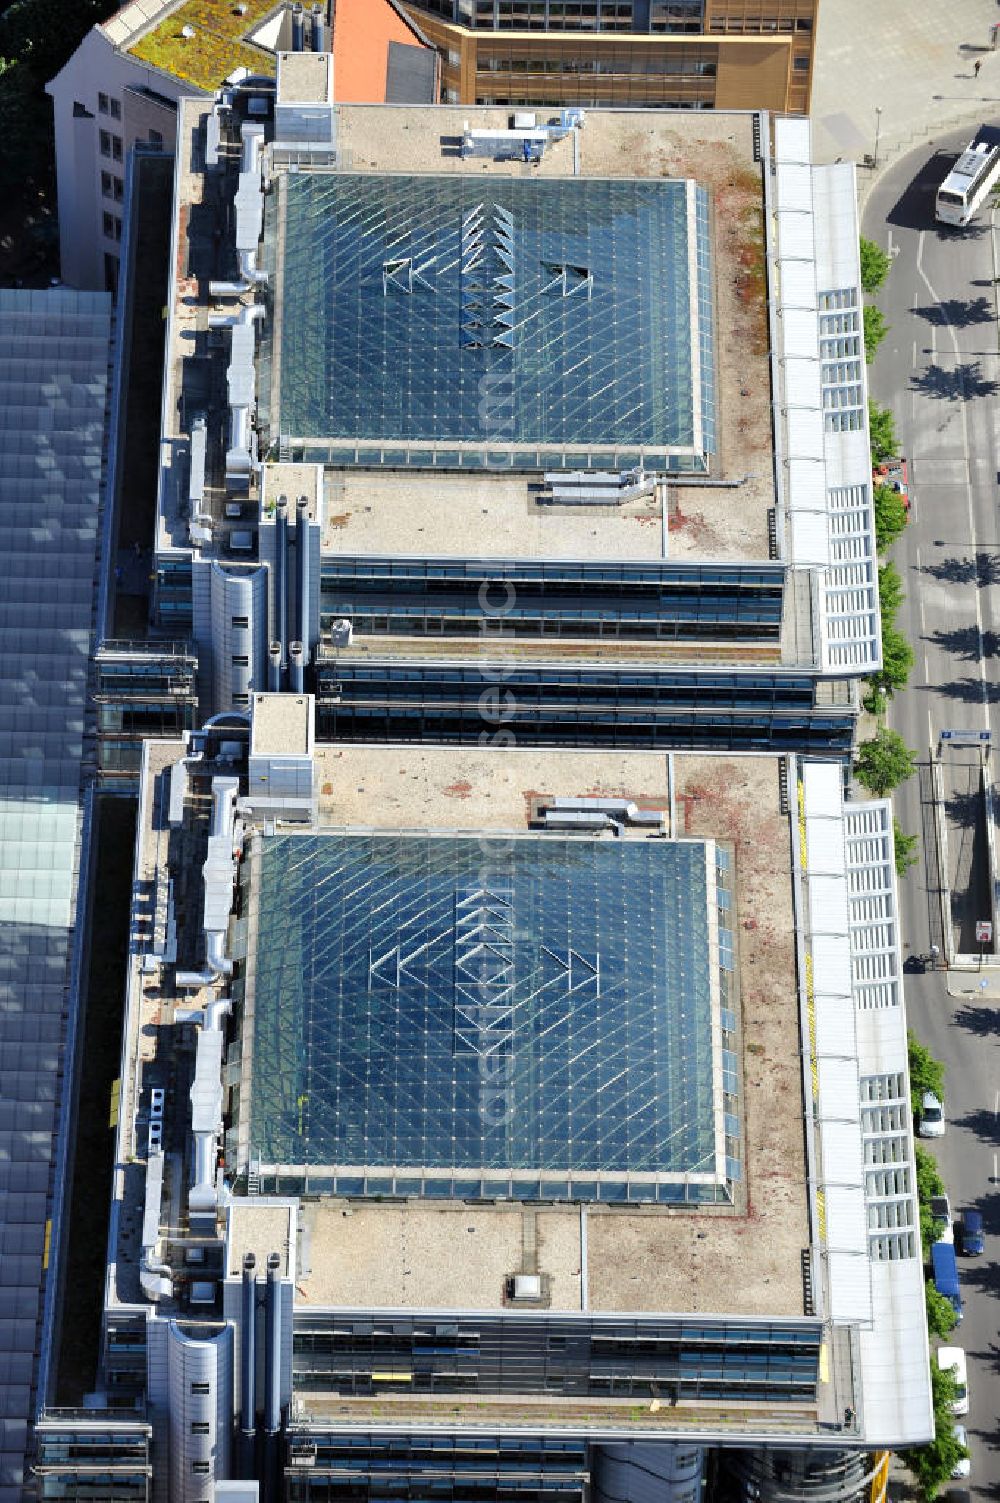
(462, 321)
(422, 1005)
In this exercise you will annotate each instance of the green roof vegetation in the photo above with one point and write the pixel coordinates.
(217, 47)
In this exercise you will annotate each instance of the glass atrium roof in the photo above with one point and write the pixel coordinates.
(461, 321)
(421, 1004)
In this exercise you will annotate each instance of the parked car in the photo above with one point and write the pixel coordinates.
(970, 1234)
(931, 1116)
(953, 1358)
(963, 1467)
(941, 1217)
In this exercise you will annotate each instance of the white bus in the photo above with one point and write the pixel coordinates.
(971, 178)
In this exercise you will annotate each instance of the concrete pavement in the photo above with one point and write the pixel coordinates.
(914, 60)
(940, 372)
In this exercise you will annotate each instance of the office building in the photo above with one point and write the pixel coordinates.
(514, 1051)
(684, 518)
(681, 54)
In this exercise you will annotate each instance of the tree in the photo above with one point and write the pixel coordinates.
(933, 1464)
(882, 428)
(890, 592)
(876, 329)
(926, 1074)
(875, 265)
(897, 660)
(941, 1317)
(883, 762)
(890, 516)
(929, 1184)
(904, 848)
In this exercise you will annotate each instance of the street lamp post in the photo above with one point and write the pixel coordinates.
(878, 130)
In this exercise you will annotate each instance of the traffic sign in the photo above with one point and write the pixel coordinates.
(966, 738)
(984, 931)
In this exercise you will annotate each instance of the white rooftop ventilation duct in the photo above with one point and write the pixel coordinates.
(219, 874)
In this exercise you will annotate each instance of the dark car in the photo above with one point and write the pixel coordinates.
(970, 1234)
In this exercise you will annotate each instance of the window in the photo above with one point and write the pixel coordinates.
(116, 109)
(116, 148)
(201, 1467)
(241, 662)
(156, 140)
(107, 184)
(201, 1388)
(241, 701)
(119, 190)
(105, 143)
(109, 225)
(200, 1427)
(102, 103)
(241, 623)
(801, 65)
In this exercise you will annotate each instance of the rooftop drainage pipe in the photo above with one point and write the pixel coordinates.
(281, 580)
(248, 1364)
(302, 576)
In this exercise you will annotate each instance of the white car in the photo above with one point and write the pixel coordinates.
(963, 1468)
(953, 1358)
(931, 1116)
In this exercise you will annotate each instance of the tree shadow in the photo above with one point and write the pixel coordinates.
(953, 570)
(983, 1022)
(982, 570)
(965, 809)
(964, 642)
(980, 1122)
(958, 312)
(961, 383)
(969, 690)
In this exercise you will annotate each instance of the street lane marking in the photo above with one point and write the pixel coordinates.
(963, 407)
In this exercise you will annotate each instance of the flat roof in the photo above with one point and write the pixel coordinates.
(743, 1256)
(281, 725)
(303, 78)
(550, 320)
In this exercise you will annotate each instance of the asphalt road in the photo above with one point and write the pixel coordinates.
(939, 370)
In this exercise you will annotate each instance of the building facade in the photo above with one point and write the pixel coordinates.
(693, 54)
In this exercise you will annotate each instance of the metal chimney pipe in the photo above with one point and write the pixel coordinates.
(274, 667)
(302, 575)
(296, 669)
(298, 28)
(272, 1347)
(319, 30)
(248, 1364)
(281, 579)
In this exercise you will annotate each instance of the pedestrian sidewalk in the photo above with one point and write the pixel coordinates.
(914, 60)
